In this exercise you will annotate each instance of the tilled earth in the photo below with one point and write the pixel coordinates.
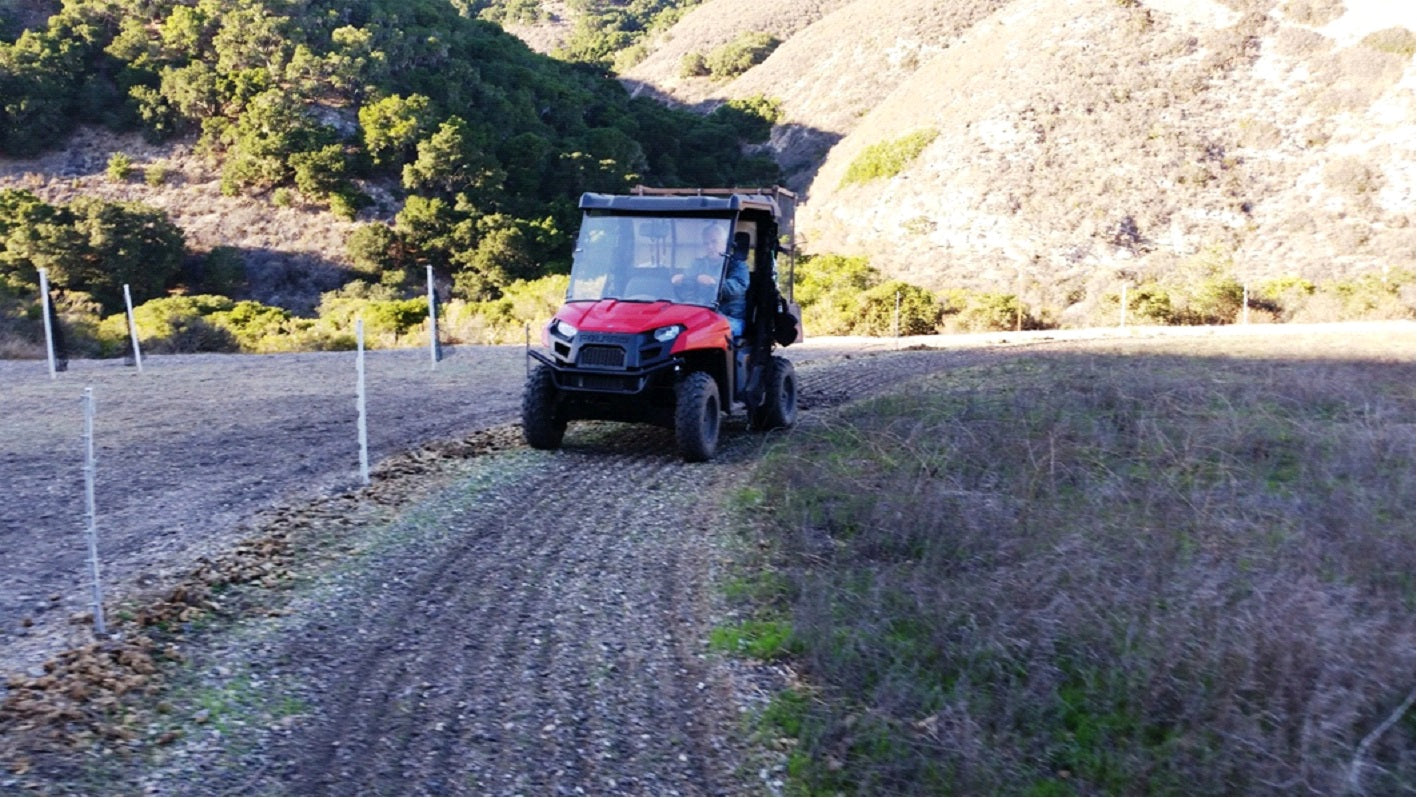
(482, 619)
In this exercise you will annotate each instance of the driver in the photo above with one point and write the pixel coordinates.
(732, 294)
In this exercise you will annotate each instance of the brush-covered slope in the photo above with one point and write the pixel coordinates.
(1076, 139)
(1090, 135)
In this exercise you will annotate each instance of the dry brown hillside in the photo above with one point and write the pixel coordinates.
(1076, 139)
(838, 60)
(714, 23)
(291, 253)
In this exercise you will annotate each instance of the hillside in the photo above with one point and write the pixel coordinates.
(1080, 143)
(1056, 151)
(279, 151)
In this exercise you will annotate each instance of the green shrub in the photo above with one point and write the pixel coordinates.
(1374, 296)
(1398, 41)
(505, 319)
(1217, 300)
(919, 311)
(1149, 303)
(745, 51)
(347, 202)
(385, 320)
(120, 167)
(176, 324)
(829, 289)
(751, 118)
(155, 175)
(887, 159)
(693, 65)
(254, 326)
(1281, 287)
(986, 312)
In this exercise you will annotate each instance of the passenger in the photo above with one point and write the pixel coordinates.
(733, 296)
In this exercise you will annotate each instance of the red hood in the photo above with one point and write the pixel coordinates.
(613, 315)
(704, 328)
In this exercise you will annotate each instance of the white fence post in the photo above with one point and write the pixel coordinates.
(133, 329)
(433, 353)
(90, 468)
(359, 402)
(48, 327)
(897, 320)
(1245, 307)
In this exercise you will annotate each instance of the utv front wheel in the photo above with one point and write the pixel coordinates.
(541, 425)
(696, 417)
(779, 408)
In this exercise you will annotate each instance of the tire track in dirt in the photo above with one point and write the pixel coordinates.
(541, 631)
(559, 646)
(556, 631)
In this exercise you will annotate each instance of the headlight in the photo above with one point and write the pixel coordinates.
(562, 329)
(667, 334)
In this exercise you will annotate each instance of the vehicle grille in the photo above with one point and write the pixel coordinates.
(594, 382)
(602, 356)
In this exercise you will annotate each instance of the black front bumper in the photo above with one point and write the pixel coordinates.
(619, 382)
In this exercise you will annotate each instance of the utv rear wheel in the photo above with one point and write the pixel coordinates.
(779, 407)
(541, 425)
(696, 417)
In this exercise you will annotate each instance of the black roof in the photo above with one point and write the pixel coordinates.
(777, 201)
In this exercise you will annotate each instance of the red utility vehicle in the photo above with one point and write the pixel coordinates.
(643, 335)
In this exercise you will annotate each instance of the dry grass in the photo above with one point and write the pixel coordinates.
(1134, 569)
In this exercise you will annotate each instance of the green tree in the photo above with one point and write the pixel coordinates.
(250, 36)
(320, 173)
(504, 253)
(118, 243)
(272, 129)
(377, 248)
(453, 160)
(393, 126)
(751, 118)
(40, 75)
(187, 32)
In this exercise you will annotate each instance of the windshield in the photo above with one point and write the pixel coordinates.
(649, 258)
